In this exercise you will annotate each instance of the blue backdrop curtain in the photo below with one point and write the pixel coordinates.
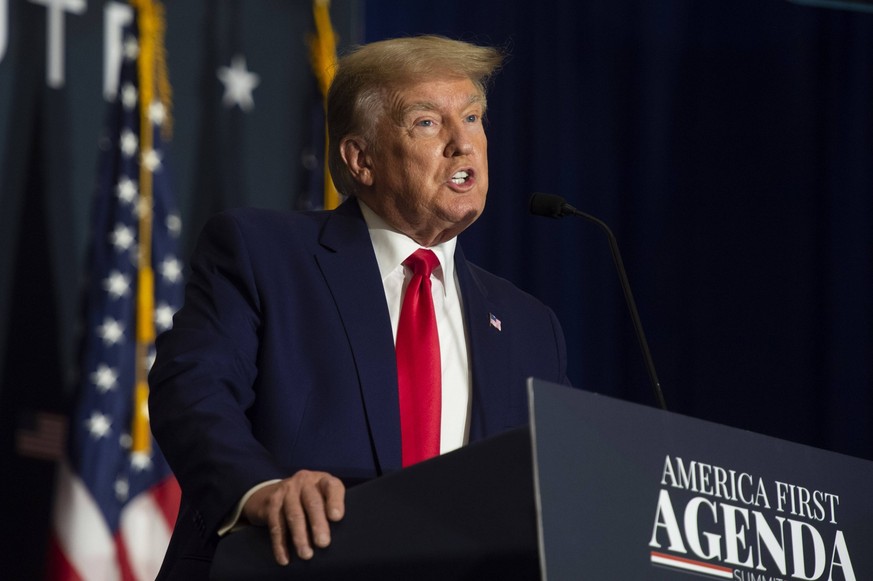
(728, 143)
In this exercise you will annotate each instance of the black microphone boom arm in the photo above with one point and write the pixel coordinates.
(553, 206)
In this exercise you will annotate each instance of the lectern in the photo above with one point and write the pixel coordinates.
(596, 488)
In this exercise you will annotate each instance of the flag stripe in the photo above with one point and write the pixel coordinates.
(123, 558)
(58, 567)
(149, 536)
(168, 496)
(81, 532)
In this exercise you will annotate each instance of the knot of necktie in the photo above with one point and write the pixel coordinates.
(422, 262)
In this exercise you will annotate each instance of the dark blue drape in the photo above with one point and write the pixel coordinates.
(729, 144)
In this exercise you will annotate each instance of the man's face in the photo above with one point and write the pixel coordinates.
(429, 167)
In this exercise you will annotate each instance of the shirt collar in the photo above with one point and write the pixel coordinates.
(393, 247)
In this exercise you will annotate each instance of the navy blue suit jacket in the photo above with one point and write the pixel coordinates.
(282, 358)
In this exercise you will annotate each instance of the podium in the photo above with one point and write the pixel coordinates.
(596, 488)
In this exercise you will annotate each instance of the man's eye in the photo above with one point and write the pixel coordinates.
(425, 123)
(472, 118)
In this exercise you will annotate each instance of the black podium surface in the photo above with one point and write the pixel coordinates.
(597, 489)
(465, 515)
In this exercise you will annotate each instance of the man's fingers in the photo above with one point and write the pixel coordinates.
(334, 492)
(295, 517)
(276, 526)
(313, 503)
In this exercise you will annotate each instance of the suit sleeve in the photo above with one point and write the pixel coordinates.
(203, 376)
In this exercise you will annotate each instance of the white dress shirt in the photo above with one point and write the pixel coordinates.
(392, 248)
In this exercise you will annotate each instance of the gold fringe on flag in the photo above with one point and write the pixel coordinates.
(154, 88)
(322, 52)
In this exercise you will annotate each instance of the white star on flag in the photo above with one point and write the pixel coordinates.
(163, 316)
(128, 96)
(104, 378)
(171, 269)
(117, 284)
(238, 84)
(122, 489)
(140, 461)
(126, 190)
(99, 425)
(122, 238)
(174, 225)
(111, 331)
(129, 143)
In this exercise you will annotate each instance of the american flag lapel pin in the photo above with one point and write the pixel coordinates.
(494, 322)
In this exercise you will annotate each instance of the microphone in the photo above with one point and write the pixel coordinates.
(552, 206)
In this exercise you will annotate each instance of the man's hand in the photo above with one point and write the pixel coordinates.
(302, 504)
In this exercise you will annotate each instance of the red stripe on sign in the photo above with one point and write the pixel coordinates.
(692, 562)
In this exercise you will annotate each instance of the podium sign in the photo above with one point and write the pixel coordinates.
(629, 492)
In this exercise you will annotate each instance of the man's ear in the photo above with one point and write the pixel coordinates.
(355, 155)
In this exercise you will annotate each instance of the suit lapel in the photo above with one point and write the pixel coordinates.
(488, 353)
(352, 274)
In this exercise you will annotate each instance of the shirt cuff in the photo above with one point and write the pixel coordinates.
(232, 523)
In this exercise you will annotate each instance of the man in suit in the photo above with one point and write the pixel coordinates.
(281, 382)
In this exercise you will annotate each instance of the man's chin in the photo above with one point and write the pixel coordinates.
(460, 220)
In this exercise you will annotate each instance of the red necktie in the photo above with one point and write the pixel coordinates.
(419, 375)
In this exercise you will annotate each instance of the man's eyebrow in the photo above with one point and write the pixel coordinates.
(430, 106)
(418, 106)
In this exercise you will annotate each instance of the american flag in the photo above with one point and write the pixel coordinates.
(116, 498)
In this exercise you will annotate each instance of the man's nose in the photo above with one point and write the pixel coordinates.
(459, 142)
